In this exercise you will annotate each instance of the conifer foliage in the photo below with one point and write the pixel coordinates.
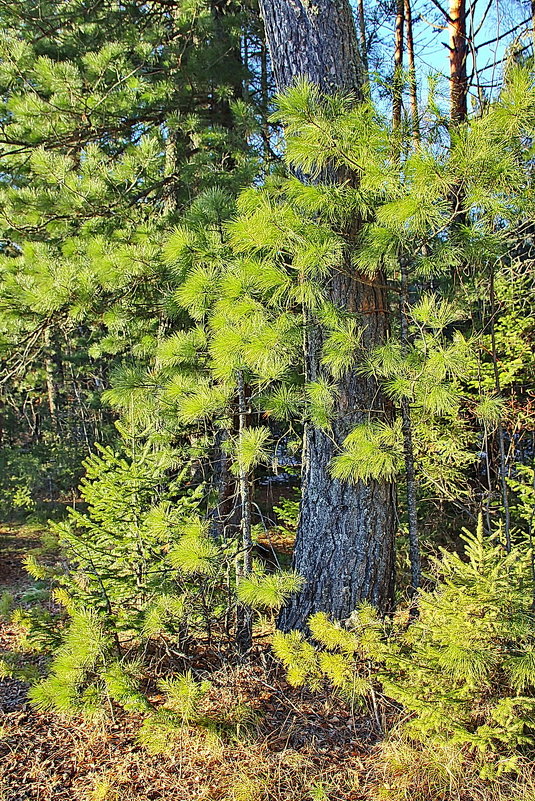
(464, 670)
(206, 286)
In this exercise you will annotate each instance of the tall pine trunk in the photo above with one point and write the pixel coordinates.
(363, 39)
(458, 48)
(413, 91)
(397, 100)
(458, 52)
(344, 546)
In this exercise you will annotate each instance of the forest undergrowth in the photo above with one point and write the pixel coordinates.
(288, 743)
(266, 740)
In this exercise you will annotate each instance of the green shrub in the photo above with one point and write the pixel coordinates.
(21, 478)
(143, 576)
(122, 551)
(287, 512)
(6, 604)
(464, 670)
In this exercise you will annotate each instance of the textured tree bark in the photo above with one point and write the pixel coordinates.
(413, 93)
(344, 546)
(314, 39)
(458, 54)
(397, 99)
(51, 385)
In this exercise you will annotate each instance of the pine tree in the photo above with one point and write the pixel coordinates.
(464, 670)
(344, 557)
(104, 121)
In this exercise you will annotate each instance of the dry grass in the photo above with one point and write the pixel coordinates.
(297, 749)
(406, 771)
(47, 759)
(269, 742)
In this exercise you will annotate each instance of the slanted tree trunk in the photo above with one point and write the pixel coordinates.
(406, 418)
(503, 471)
(344, 546)
(408, 446)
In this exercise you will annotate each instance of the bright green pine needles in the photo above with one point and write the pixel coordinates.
(464, 668)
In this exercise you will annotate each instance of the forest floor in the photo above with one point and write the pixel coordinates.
(296, 746)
